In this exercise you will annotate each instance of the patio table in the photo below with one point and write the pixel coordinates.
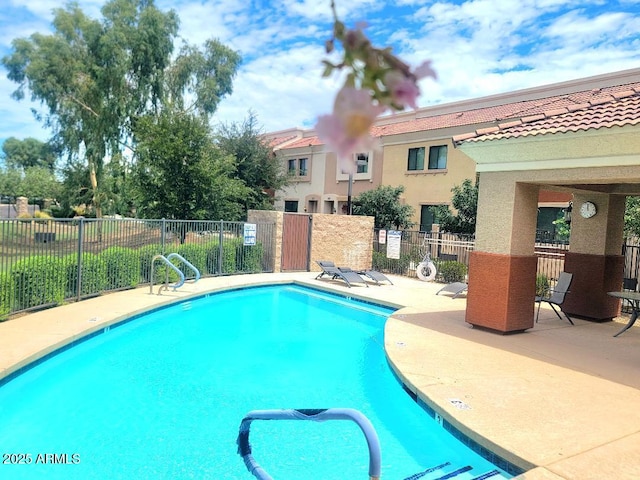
(634, 300)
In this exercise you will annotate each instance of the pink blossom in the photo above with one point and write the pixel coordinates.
(404, 91)
(403, 88)
(424, 70)
(346, 130)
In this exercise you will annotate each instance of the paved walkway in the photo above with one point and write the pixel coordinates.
(562, 400)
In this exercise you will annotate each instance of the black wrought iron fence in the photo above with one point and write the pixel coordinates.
(44, 262)
(414, 246)
(446, 247)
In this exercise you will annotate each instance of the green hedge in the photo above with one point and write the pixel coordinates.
(196, 255)
(6, 295)
(229, 251)
(94, 274)
(145, 255)
(451, 271)
(39, 280)
(398, 266)
(249, 257)
(123, 267)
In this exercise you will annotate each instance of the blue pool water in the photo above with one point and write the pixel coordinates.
(162, 397)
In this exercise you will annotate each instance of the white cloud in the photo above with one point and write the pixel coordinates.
(478, 47)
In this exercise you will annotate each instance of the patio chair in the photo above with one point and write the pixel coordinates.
(557, 295)
(346, 274)
(457, 288)
(375, 276)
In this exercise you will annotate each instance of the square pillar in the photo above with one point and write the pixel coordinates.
(593, 277)
(502, 270)
(500, 298)
(595, 258)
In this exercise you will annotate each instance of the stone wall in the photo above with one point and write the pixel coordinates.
(343, 239)
(269, 216)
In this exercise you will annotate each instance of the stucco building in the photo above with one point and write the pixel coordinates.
(416, 150)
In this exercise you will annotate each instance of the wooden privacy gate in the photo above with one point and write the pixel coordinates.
(296, 242)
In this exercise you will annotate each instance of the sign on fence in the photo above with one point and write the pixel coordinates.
(382, 237)
(249, 234)
(394, 238)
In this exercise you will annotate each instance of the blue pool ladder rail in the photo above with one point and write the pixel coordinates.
(320, 415)
(316, 415)
(167, 261)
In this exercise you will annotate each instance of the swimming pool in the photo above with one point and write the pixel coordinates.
(163, 396)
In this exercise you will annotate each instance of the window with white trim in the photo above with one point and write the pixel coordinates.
(298, 167)
(363, 161)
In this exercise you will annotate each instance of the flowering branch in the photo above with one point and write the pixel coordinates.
(376, 81)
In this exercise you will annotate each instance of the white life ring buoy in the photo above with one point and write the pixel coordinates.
(426, 271)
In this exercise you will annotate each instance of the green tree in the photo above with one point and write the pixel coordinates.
(383, 203)
(39, 183)
(76, 189)
(182, 174)
(35, 183)
(256, 164)
(95, 78)
(29, 152)
(632, 217)
(465, 201)
(10, 180)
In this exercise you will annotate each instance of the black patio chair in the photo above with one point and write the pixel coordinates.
(557, 295)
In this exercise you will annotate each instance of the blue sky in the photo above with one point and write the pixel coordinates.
(478, 48)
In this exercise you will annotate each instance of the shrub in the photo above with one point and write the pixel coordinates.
(60, 212)
(39, 280)
(452, 271)
(145, 255)
(6, 295)
(41, 215)
(123, 267)
(94, 274)
(160, 269)
(543, 285)
(398, 266)
(228, 257)
(249, 257)
(196, 255)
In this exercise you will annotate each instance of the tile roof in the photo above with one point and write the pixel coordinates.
(305, 142)
(604, 110)
(274, 142)
(526, 110)
(506, 111)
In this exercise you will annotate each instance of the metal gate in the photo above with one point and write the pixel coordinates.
(296, 242)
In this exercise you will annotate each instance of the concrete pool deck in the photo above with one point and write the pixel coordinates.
(562, 400)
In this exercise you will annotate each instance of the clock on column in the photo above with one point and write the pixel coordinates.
(588, 209)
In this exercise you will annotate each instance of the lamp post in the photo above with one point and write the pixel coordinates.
(349, 188)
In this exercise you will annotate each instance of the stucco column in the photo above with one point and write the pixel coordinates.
(503, 266)
(595, 257)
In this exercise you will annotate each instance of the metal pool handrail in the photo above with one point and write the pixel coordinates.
(187, 263)
(316, 415)
(178, 284)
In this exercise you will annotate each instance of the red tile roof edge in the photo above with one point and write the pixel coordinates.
(486, 132)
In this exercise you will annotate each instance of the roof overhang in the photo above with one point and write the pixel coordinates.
(607, 147)
(603, 160)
